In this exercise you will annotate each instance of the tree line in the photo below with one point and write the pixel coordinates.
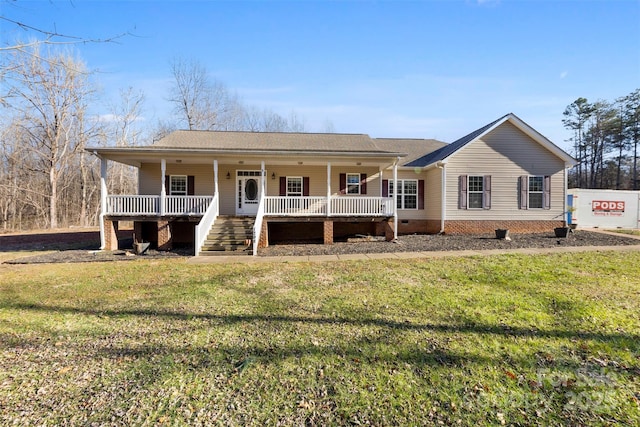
(49, 101)
(605, 142)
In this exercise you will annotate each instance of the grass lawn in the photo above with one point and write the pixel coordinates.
(513, 339)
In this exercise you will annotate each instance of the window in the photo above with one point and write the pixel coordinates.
(353, 183)
(536, 192)
(475, 192)
(407, 193)
(178, 185)
(294, 186)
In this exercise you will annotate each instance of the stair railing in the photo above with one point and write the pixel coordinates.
(203, 227)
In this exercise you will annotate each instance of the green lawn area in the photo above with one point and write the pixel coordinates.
(512, 339)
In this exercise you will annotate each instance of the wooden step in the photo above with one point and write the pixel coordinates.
(228, 236)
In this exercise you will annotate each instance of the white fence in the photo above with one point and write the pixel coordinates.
(317, 206)
(133, 205)
(155, 205)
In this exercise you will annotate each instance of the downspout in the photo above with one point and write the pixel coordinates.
(443, 196)
(565, 218)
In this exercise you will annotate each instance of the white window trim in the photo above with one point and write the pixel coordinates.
(401, 194)
(529, 192)
(186, 185)
(469, 192)
(301, 186)
(359, 184)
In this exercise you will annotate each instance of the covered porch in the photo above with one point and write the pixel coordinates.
(258, 187)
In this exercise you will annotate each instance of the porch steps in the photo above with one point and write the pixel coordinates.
(228, 236)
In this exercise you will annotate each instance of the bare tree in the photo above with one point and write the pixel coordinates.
(200, 102)
(49, 100)
(125, 131)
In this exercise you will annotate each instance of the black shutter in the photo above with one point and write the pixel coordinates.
(283, 185)
(421, 194)
(305, 186)
(385, 188)
(343, 183)
(167, 185)
(191, 185)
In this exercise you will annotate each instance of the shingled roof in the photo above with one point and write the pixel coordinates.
(270, 141)
(415, 148)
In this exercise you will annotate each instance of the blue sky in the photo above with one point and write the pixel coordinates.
(428, 69)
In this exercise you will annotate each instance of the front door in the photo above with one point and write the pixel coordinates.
(248, 192)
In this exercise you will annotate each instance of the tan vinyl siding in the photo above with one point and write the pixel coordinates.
(506, 153)
(433, 194)
(412, 174)
(150, 177)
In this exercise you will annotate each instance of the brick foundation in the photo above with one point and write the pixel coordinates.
(263, 240)
(389, 235)
(514, 226)
(110, 235)
(164, 236)
(328, 233)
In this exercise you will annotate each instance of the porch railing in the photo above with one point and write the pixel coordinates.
(187, 205)
(317, 206)
(133, 205)
(153, 205)
(296, 206)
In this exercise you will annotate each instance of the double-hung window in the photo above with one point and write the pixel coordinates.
(178, 185)
(294, 186)
(353, 183)
(475, 192)
(536, 192)
(407, 193)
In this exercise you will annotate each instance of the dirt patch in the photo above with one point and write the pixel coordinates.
(73, 245)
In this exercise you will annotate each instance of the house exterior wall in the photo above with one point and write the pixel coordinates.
(419, 174)
(505, 154)
(433, 196)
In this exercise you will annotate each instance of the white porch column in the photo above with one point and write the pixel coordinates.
(163, 189)
(216, 190)
(103, 199)
(215, 177)
(263, 182)
(395, 198)
(380, 180)
(328, 188)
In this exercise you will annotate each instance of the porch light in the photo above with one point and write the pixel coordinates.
(228, 175)
(273, 175)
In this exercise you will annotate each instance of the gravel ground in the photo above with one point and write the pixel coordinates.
(84, 251)
(418, 243)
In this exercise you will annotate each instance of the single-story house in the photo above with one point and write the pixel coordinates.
(231, 190)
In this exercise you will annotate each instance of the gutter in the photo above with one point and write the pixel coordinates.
(443, 197)
(186, 151)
